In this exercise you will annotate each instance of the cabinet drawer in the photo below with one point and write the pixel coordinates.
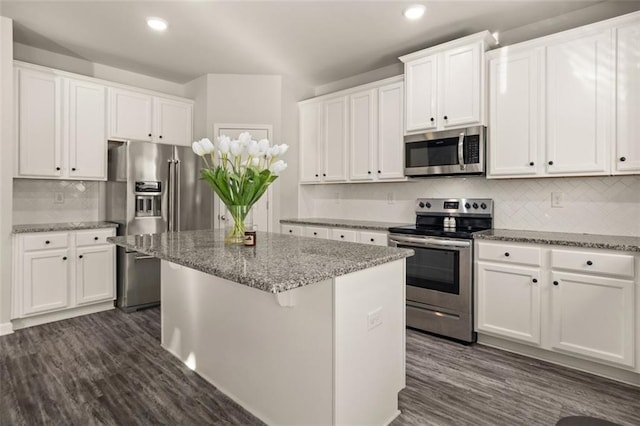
(373, 238)
(593, 262)
(46, 241)
(314, 232)
(292, 230)
(509, 254)
(92, 237)
(344, 235)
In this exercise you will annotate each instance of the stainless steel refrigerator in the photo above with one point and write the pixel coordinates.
(152, 188)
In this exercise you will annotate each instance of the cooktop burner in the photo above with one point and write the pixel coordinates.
(449, 217)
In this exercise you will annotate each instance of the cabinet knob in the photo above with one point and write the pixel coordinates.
(432, 119)
(372, 240)
(531, 163)
(95, 238)
(64, 258)
(57, 168)
(535, 280)
(73, 169)
(555, 283)
(47, 242)
(589, 262)
(160, 136)
(623, 158)
(341, 236)
(291, 231)
(551, 163)
(324, 174)
(379, 171)
(507, 254)
(316, 175)
(315, 233)
(149, 134)
(446, 118)
(369, 172)
(80, 256)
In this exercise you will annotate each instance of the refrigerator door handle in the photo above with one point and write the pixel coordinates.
(176, 195)
(171, 195)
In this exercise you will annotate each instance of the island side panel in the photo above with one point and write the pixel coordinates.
(369, 332)
(277, 362)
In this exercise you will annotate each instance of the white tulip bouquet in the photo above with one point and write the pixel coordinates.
(240, 171)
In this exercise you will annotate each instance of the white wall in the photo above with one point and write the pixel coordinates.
(6, 168)
(595, 205)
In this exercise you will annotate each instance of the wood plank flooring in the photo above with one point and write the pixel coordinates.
(109, 368)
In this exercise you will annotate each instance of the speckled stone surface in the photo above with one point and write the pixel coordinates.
(608, 242)
(276, 264)
(343, 223)
(64, 226)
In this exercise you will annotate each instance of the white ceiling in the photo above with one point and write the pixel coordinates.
(317, 41)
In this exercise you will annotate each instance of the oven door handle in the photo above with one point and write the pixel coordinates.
(461, 151)
(429, 242)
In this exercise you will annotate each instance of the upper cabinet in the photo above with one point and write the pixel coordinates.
(445, 86)
(142, 117)
(562, 106)
(353, 136)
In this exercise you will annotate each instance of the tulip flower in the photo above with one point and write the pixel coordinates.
(277, 167)
(198, 149)
(223, 144)
(263, 144)
(206, 144)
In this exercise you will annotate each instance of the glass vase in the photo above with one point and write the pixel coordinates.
(235, 230)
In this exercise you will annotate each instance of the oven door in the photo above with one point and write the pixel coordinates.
(439, 274)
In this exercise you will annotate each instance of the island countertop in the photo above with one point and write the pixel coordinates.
(276, 264)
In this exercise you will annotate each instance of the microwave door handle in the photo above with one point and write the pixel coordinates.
(461, 151)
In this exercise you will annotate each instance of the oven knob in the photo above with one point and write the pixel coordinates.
(467, 205)
(475, 205)
(483, 206)
(428, 204)
(421, 204)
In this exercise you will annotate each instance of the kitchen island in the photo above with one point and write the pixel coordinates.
(296, 330)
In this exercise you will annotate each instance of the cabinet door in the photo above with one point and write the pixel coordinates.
(461, 86)
(336, 133)
(421, 93)
(627, 154)
(514, 123)
(344, 235)
(95, 274)
(87, 130)
(373, 238)
(46, 281)
(173, 122)
(130, 115)
(509, 301)
(310, 140)
(363, 134)
(579, 94)
(390, 134)
(316, 232)
(593, 316)
(292, 230)
(39, 117)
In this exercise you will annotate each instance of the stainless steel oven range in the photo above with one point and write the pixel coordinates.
(440, 274)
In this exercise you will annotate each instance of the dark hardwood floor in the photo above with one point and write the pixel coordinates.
(109, 368)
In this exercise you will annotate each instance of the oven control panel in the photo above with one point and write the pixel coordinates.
(455, 206)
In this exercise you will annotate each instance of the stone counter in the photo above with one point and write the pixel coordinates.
(343, 223)
(63, 226)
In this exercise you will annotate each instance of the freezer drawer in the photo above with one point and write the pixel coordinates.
(138, 280)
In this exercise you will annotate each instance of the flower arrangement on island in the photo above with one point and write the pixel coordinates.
(240, 171)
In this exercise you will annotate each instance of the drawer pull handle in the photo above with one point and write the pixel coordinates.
(95, 238)
(80, 256)
(589, 262)
(315, 233)
(58, 168)
(535, 280)
(290, 231)
(507, 254)
(341, 236)
(555, 283)
(47, 242)
(446, 118)
(532, 163)
(623, 158)
(372, 240)
(64, 258)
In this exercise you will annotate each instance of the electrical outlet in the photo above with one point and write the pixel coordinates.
(58, 197)
(374, 319)
(557, 199)
(391, 199)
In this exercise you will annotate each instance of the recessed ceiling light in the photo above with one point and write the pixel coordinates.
(157, 24)
(414, 12)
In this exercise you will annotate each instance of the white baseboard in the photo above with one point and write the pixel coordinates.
(6, 328)
(61, 315)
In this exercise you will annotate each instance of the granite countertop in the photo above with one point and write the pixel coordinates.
(609, 242)
(344, 223)
(63, 226)
(276, 264)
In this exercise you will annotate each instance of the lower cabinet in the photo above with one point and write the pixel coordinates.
(339, 234)
(59, 271)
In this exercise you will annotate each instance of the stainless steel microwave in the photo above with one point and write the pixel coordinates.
(446, 153)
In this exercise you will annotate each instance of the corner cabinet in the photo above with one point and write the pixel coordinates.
(59, 275)
(445, 85)
(353, 136)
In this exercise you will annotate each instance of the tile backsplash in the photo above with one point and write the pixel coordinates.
(47, 201)
(596, 205)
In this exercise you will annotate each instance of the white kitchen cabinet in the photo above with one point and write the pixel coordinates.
(316, 232)
(514, 114)
(627, 152)
(310, 137)
(87, 131)
(339, 234)
(373, 238)
(579, 95)
(444, 84)
(593, 316)
(508, 301)
(292, 230)
(363, 134)
(94, 274)
(45, 285)
(335, 134)
(173, 121)
(39, 124)
(390, 149)
(130, 115)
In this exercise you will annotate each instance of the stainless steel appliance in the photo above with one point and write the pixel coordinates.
(440, 274)
(152, 188)
(450, 152)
